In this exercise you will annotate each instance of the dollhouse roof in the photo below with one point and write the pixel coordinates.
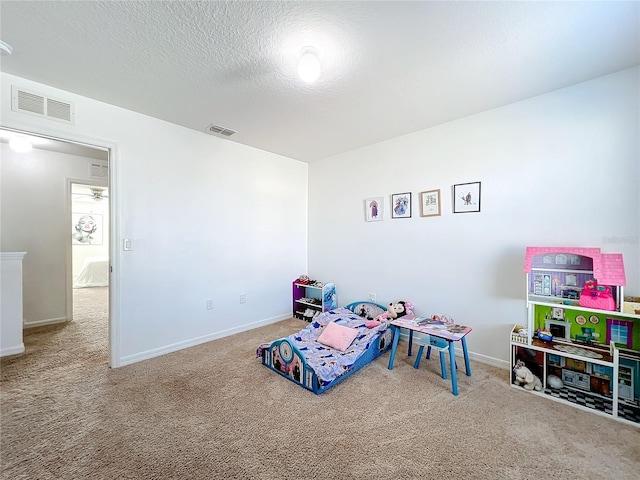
(608, 268)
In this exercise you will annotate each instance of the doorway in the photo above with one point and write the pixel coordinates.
(89, 235)
(89, 238)
(69, 177)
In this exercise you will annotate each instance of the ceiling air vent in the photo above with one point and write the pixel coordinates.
(35, 103)
(220, 130)
(98, 170)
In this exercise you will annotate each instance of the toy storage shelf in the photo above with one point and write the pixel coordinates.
(595, 354)
(312, 298)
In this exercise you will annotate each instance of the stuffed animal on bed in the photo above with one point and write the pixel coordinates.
(399, 309)
(394, 310)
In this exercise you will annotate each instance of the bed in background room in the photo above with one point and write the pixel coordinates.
(95, 273)
(306, 358)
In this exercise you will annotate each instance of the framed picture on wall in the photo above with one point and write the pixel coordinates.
(401, 205)
(466, 197)
(373, 209)
(86, 229)
(557, 313)
(430, 203)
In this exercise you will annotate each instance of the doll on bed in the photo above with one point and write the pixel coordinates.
(394, 310)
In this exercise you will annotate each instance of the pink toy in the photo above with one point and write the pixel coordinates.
(597, 296)
(396, 310)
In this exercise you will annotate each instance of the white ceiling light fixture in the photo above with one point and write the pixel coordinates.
(20, 145)
(309, 68)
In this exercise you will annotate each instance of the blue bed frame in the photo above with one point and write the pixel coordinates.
(305, 376)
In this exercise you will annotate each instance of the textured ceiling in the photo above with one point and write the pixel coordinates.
(389, 68)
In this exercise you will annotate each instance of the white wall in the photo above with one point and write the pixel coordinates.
(559, 169)
(208, 218)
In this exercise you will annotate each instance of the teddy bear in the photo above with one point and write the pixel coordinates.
(525, 377)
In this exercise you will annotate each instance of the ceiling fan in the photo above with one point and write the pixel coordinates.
(91, 193)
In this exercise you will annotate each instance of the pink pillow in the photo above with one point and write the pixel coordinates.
(337, 336)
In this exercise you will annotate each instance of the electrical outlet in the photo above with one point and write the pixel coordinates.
(210, 304)
(372, 297)
(243, 298)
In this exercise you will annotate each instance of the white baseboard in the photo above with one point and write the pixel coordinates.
(46, 321)
(14, 350)
(156, 352)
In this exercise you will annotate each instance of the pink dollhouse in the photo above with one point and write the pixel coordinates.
(593, 356)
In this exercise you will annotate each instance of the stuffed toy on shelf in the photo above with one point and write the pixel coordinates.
(525, 377)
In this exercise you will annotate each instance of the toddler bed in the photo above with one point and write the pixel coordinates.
(313, 364)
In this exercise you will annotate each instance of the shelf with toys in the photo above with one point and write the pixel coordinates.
(581, 342)
(311, 297)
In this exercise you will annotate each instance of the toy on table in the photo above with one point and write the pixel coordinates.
(394, 310)
(525, 377)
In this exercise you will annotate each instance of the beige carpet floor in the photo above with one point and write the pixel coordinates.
(214, 412)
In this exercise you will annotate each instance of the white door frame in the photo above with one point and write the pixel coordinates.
(114, 216)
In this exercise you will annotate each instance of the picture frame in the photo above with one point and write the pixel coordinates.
(430, 203)
(86, 228)
(466, 197)
(373, 209)
(401, 205)
(557, 313)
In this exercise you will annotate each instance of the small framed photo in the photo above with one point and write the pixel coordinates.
(466, 197)
(430, 203)
(401, 205)
(557, 313)
(373, 209)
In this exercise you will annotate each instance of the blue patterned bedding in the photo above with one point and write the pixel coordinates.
(327, 362)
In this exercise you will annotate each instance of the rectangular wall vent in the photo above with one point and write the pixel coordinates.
(35, 103)
(227, 132)
(98, 170)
